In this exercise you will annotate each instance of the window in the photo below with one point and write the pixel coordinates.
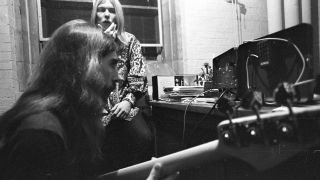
(142, 18)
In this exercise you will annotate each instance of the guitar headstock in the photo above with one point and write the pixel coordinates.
(275, 132)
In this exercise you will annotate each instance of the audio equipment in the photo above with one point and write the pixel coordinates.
(224, 69)
(159, 83)
(286, 55)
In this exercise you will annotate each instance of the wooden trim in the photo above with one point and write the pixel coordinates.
(30, 40)
(160, 23)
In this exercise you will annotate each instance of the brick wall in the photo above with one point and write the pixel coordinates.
(208, 28)
(8, 79)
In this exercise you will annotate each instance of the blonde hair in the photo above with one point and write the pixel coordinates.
(121, 35)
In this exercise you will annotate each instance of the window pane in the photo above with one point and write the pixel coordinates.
(141, 16)
(56, 13)
(152, 3)
(143, 23)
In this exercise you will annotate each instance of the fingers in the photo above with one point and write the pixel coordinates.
(173, 176)
(112, 27)
(155, 172)
(115, 107)
(120, 112)
(122, 109)
(117, 112)
(111, 30)
(123, 115)
(99, 26)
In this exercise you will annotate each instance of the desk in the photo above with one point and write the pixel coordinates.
(169, 121)
(175, 133)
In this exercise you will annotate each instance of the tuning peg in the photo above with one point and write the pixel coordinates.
(252, 99)
(224, 106)
(284, 94)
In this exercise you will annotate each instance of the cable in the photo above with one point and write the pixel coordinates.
(205, 116)
(296, 48)
(304, 82)
(247, 71)
(208, 113)
(185, 112)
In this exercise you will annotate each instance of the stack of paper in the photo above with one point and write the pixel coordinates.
(183, 91)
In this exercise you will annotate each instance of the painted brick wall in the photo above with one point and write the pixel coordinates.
(8, 81)
(209, 28)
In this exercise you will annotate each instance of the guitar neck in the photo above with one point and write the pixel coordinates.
(246, 139)
(171, 163)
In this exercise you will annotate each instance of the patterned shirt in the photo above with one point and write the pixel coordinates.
(132, 72)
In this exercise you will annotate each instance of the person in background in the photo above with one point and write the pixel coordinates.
(126, 125)
(54, 130)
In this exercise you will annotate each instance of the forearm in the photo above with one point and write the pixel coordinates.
(137, 87)
(136, 79)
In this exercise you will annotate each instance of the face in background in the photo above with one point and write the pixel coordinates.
(106, 14)
(109, 71)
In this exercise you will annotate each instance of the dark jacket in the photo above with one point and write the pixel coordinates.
(37, 150)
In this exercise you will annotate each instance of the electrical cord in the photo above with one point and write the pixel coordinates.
(247, 70)
(185, 112)
(239, 30)
(204, 117)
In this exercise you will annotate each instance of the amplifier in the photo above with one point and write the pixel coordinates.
(267, 61)
(224, 70)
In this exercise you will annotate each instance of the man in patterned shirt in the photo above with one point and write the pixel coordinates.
(128, 134)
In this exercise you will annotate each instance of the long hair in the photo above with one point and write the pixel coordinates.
(68, 81)
(119, 18)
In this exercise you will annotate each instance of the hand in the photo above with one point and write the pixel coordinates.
(110, 31)
(122, 109)
(155, 173)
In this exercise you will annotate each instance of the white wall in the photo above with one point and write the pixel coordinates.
(209, 28)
